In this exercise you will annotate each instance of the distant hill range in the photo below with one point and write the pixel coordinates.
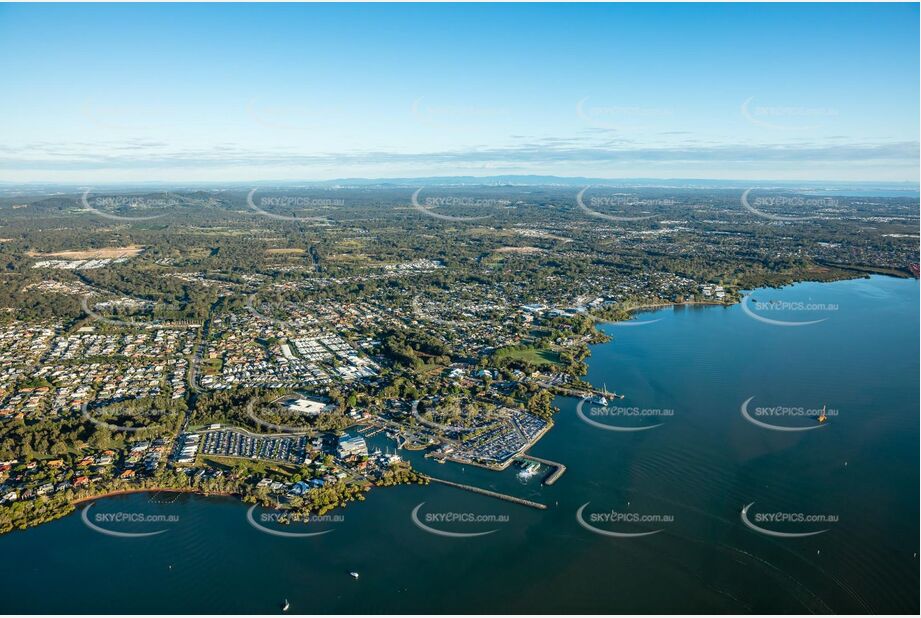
(877, 189)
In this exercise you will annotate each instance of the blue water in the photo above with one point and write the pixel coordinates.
(699, 467)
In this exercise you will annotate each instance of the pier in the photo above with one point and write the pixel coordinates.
(369, 431)
(492, 494)
(557, 468)
(568, 391)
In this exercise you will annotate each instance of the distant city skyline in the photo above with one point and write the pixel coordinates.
(235, 93)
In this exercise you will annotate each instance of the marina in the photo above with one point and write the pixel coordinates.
(700, 469)
(556, 469)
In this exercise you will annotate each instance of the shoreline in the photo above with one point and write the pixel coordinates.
(847, 275)
(851, 276)
(522, 452)
(172, 490)
(657, 306)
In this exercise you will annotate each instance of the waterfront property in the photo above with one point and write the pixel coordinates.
(352, 446)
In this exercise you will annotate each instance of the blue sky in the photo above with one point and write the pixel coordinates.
(96, 93)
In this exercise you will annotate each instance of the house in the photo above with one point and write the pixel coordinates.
(299, 489)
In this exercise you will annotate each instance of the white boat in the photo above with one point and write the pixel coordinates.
(528, 470)
(285, 607)
(602, 400)
(354, 574)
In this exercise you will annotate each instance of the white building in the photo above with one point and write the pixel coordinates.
(310, 407)
(352, 445)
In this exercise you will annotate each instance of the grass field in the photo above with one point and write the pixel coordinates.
(92, 254)
(258, 467)
(211, 366)
(522, 250)
(535, 356)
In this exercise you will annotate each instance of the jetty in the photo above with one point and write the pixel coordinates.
(369, 431)
(568, 391)
(557, 469)
(490, 493)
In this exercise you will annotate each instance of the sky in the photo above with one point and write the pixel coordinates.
(183, 93)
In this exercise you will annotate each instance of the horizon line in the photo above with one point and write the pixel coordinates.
(901, 184)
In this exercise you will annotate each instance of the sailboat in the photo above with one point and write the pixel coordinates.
(611, 395)
(822, 417)
(601, 400)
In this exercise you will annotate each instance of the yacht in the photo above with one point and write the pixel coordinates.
(822, 416)
(602, 399)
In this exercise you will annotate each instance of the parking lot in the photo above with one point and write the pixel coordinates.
(238, 443)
